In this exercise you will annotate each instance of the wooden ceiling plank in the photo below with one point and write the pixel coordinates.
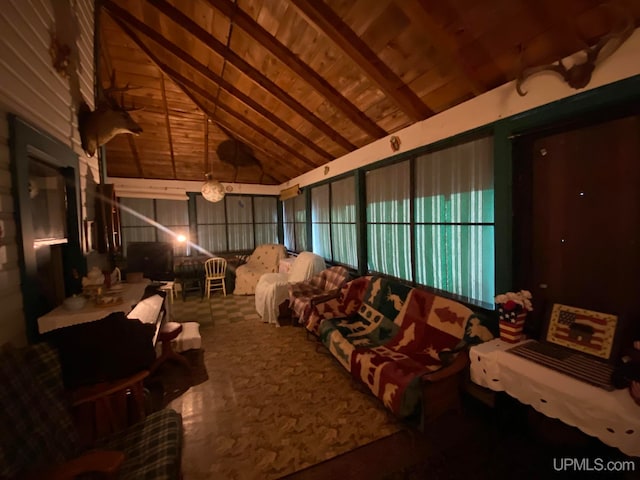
(249, 70)
(445, 46)
(284, 55)
(204, 71)
(166, 111)
(193, 87)
(321, 17)
(226, 128)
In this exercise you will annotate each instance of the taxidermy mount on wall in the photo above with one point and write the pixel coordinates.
(109, 119)
(579, 75)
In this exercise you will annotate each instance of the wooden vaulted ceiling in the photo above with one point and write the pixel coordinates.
(299, 83)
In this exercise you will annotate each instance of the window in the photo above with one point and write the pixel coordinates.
(435, 226)
(149, 220)
(388, 220)
(333, 221)
(295, 223)
(237, 223)
(454, 222)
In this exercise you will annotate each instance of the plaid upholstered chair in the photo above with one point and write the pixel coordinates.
(39, 438)
(321, 287)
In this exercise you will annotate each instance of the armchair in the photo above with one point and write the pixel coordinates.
(39, 438)
(319, 288)
(272, 288)
(264, 259)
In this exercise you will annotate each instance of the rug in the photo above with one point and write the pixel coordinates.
(272, 404)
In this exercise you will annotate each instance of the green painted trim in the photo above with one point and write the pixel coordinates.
(280, 220)
(361, 223)
(25, 142)
(503, 233)
(307, 199)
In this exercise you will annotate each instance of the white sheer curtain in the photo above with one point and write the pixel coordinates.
(388, 220)
(211, 222)
(266, 220)
(320, 218)
(135, 217)
(343, 222)
(174, 215)
(240, 222)
(454, 208)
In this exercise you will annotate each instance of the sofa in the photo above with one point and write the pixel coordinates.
(319, 288)
(264, 259)
(405, 344)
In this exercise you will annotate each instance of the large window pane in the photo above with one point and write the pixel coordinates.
(240, 237)
(454, 215)
(390, 250)
(343, 222)
(457, 259)
(266, 220)
(388, 218)
(239, 209)
(320, 217)
(213, 238)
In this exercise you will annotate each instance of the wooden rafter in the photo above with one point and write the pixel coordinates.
(168, 122)
(189, 86)
(210, 75)
(242, 65)
(227, 128)
(326, 21)
(284, 55)
(136, 157)
(444, 46)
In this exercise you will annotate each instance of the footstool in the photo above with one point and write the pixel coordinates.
(189, 338)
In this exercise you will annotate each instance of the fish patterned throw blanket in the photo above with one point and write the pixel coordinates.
(394, 339)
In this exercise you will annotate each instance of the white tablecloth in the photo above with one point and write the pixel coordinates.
(60, 316)
(613, 417)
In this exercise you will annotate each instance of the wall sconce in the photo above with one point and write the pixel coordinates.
(395, 143)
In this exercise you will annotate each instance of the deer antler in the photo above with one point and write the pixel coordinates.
(579, 75)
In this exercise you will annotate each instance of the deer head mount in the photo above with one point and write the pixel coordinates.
(579, 75)
(109, 119)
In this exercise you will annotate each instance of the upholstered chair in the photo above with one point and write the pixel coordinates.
(264, 259)
(273, 288)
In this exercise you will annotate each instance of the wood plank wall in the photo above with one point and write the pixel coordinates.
(32, 89)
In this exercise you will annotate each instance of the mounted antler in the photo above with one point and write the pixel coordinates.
(579, 75)
(109, 119)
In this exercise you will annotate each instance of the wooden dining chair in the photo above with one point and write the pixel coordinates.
(215, 270)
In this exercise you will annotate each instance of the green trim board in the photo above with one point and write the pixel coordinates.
(27, 143)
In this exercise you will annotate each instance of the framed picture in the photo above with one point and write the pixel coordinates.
(582, 330)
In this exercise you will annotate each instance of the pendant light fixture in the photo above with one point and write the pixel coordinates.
(212, 190)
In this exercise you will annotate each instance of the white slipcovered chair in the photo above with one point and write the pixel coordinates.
(273, 288)
(264, 259)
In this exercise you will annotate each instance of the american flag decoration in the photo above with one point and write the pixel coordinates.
(582, 330)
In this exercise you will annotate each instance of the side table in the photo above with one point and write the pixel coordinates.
(613, 417)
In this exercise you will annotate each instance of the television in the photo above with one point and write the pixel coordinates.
(154, 259)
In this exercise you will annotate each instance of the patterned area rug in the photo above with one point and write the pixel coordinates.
(272, 404)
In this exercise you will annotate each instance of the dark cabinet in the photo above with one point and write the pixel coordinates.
(107, 220)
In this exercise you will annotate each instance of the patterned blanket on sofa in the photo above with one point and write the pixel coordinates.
(394, 339)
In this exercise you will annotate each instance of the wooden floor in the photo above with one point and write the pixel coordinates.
(506, 440)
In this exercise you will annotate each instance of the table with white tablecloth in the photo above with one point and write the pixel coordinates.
(60, 317)
(613, 417)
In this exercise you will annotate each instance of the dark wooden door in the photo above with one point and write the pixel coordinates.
(577, 218)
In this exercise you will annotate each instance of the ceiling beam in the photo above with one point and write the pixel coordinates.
(136, 157)
(242, 65)
(325, 20)
(166, 116)
(445, 47)
(189, 86)
(213, 77)
(227, 128)
(293, 62)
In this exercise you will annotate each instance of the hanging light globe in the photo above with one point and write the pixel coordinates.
(212, 190)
